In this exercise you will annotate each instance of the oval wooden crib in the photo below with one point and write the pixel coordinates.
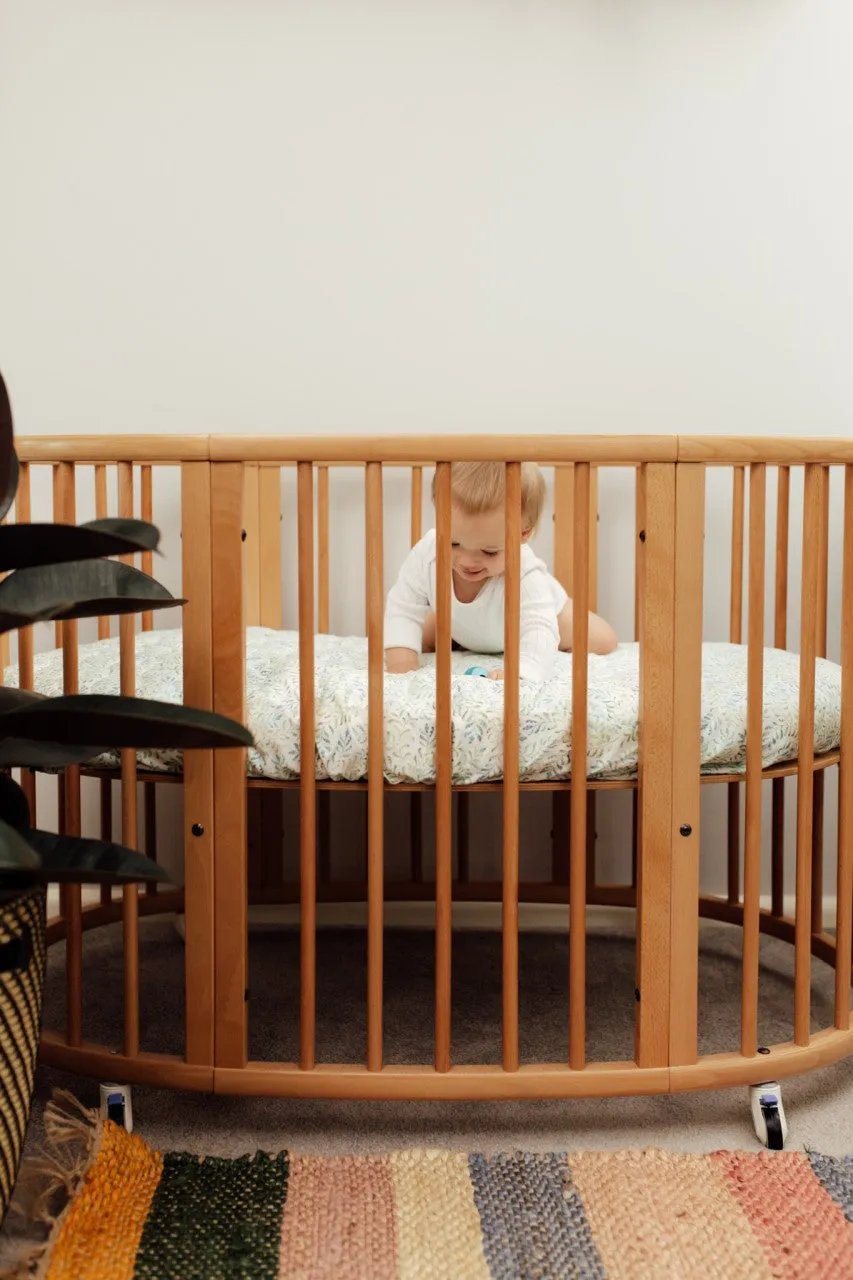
(236, 570)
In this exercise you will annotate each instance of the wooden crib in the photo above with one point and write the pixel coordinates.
(232, 573)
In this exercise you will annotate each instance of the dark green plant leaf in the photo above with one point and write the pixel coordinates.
(21, 753)
(14, 805)
(15, 854)
(80, 860)
(144, 536)
(84, 719)
(26, 546)
(11, 485)
(80, 589)
(8, 458)
(12, 699)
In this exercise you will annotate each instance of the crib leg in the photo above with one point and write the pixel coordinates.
(768, 1114)
(117, 1105)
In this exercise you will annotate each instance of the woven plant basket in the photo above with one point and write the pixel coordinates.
(22, 964)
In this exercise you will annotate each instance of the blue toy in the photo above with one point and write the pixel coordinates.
(476, 671)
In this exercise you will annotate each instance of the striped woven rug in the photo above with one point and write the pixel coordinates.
(429, 1215)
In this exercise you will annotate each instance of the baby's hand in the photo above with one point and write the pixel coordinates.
(497, 674)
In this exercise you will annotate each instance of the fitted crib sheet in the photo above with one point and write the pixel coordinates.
(272, 680)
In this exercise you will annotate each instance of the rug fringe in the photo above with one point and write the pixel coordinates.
(51, 1177)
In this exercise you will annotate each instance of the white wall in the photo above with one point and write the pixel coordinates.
(534, 215)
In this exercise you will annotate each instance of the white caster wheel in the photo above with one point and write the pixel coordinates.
(768, 1115)
(117, 1105)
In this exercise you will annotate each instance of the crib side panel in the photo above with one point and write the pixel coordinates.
(156, 487)
(782, 836)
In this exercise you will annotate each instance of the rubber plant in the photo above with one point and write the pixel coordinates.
(59, 572)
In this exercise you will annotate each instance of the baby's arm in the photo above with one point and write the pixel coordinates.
(539, 635)
(601, 639)
(405, 610)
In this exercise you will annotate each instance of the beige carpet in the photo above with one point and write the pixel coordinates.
(819, 1106)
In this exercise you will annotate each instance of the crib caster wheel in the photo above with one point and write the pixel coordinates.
(117, 1105)
(768, 1115)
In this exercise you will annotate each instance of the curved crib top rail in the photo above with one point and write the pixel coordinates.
(413, 450)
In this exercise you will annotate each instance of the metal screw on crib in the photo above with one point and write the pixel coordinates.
(685, 829)
(197, 829)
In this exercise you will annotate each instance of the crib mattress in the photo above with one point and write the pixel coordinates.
(272, 679)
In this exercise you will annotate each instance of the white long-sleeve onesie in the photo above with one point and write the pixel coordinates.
(478, 626)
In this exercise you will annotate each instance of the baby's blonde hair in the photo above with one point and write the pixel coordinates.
(480, 487)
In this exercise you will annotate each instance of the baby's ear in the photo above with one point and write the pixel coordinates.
(526, 535)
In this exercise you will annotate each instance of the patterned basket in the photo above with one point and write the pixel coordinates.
(22, 964)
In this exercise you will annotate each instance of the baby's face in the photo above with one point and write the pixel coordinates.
(478, 544)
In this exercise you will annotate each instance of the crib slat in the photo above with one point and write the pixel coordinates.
(754, 740)
(578, 854)
(823, 562)
(592, 521)
(417, 504)
(657, 713)
(101, 512)
(375, 762)
(149, 789)
(307, 777)
(323, 563)
(443, 774)
(129, 815)
(640, 524)
(805, 767)
(147, 512)
(735, 637)
(563, 570)
(23, 515)
(60, 518)
(251, 545)
(324, 799)
(269, 547)
(780, 641)
(512, 617)
(820, 645)
(416, 799)
(844, 909)
(66, 479)
(230, 880)
(783, 507)
(201, 873)
(686, 763)
(736, 602)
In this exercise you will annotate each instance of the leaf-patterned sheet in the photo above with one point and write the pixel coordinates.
(272, 679)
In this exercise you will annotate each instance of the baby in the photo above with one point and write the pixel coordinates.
(478, 561)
